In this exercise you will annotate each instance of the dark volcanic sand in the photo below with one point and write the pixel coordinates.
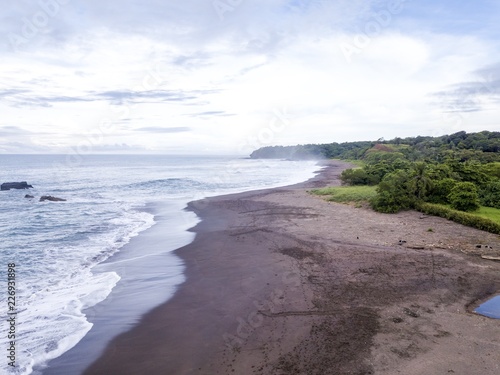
(282, 282)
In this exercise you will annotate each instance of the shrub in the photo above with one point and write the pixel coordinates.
(394, 193)
(489, 194)
(375, 156)
(357, 176)
(460, 217)
(377, 171)
(464, 197)
(441, 189)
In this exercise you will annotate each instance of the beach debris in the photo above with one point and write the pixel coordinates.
(490, 257)
(483, 247)
(29, 196)
(416, 247)
(51, 198)
(401, 242)
(15, 185)
(411, 313)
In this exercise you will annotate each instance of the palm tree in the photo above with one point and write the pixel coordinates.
(422, 182)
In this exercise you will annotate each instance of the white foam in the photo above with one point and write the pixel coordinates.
(50, 302)
(52, 322)
(64, 242)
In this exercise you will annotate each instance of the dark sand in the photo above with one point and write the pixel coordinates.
(282, 282)
(146, 263)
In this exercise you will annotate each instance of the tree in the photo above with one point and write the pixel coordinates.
(441, 189)
(421, 182)
(357, 176)
(472, 172)
(440, 171)
(464, 197)
(394, 193)
(492, 169)
(489, 195)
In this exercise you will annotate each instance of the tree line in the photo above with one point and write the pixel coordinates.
(483, 146)
(458, 172)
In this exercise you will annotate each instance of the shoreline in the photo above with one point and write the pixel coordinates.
(281, 282)
(157, 269)
(115, 315)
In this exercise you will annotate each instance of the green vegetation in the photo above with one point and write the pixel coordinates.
(455, 176)
(465, 218)
(463, 197)
(344, 194)
(394, 193)
(360, 163)
(483, 146)
(489, 213)
(490, 193)
(347, 150)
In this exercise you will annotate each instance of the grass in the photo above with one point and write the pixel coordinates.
(486, 212)
(396, 147)
(347, 194)
(489, 213)
(358, 163)
(486, 218)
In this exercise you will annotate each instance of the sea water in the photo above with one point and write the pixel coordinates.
(490, 308)
(57, 246)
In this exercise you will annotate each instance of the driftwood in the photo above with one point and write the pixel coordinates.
(490, 257)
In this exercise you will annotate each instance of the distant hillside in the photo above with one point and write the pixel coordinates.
(347, 150)
(454, 176)
(483, 146)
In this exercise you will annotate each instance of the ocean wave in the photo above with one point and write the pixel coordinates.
(172, 184)
(59, 284)
(59, 245)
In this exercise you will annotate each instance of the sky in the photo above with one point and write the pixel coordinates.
(230, 76)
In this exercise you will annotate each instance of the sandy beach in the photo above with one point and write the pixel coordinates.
(282, 282)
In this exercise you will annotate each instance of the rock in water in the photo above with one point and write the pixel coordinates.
(15, 185)
(29, 196)
(52, 199)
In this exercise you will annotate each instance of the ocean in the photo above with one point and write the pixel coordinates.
(61, 250)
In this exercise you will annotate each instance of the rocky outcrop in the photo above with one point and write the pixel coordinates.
(29, 196)
(15, 185)
(52, 199)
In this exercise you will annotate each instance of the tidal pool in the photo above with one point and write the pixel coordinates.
(490, 308)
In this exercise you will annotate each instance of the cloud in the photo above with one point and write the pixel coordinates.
(6, 131)
(118, 148)
(156, 96)
(121, 71)
(27, 99)
(210, 113)
(155, 129)
(20, 98)
(473, 96)
(190, 23)
(20, 148)
(11, 92)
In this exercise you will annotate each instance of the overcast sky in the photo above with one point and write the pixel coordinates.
(229, 76)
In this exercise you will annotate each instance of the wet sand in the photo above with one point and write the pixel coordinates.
(282, 282)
